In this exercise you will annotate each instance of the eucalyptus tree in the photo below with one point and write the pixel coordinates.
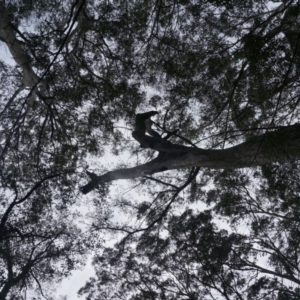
(62, 90)
(229, 76)
(224, 77)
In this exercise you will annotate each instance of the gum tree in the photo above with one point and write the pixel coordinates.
(223, 76)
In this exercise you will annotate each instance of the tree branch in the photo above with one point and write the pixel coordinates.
(279, 145)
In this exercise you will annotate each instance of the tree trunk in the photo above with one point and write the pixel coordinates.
(8, 36)
(5, 290)
(274, 146)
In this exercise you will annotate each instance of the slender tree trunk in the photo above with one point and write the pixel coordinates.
(274, 146)
(8, 35)
(4, 291)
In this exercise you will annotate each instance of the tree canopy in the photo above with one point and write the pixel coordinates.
(212, 204)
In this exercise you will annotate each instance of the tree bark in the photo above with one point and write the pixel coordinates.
(274, 146)
(8, 36)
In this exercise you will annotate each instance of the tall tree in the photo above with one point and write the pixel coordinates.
(234, 68)
(47, 127)
(223, 76)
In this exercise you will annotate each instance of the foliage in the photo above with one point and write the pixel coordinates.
(221, 72)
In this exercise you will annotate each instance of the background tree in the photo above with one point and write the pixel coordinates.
(223, 72)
